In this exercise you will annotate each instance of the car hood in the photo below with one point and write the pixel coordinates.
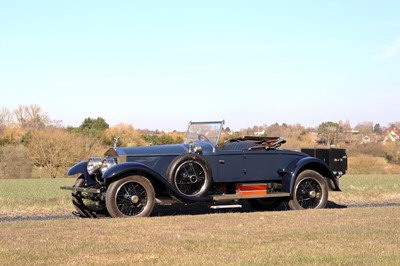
(176, 149)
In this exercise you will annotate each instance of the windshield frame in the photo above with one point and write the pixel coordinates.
(210, 129)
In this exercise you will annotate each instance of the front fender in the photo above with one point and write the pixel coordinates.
(307, 163)
(81, 168)
(121, 169)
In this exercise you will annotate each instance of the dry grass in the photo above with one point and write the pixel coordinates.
(367, 165)
(365, 236)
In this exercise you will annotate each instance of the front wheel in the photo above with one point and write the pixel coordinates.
(310, 191)
(132, 196)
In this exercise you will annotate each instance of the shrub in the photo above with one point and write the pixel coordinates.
(56, 150)
(372, 149)
(366, 164)
(392, 152)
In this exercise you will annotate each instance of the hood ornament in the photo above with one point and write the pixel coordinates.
(116, 141)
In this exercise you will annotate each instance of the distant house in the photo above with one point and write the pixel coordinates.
(392, 134)
(259, 133)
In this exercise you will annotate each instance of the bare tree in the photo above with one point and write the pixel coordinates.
(128, 136)
(6, 117)
(365, 128)
(327, 132)
(31, 117)
(55, 150)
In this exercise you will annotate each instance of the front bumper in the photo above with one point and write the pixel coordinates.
(81, 189)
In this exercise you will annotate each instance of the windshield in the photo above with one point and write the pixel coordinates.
(204, 131)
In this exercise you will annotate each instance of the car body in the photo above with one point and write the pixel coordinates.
(129, 181)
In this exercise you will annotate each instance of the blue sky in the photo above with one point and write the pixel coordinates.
(159, 64)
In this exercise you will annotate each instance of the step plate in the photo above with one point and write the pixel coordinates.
(226, 206)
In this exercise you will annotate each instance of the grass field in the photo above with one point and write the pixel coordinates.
(34, 195)
(352, 236)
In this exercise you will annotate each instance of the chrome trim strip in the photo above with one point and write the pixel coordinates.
(235, 196)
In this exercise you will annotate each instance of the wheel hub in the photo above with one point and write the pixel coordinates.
(193, 179)
(313, 194)
(135, 199)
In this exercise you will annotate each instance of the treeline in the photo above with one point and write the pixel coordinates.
(34, 145)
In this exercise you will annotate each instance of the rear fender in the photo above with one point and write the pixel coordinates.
(121, 170)
(308, 163)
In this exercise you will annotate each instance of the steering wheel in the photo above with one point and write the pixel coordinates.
(202, 137)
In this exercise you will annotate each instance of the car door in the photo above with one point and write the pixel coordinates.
(262, 165)
(266, 164)
(231, 167)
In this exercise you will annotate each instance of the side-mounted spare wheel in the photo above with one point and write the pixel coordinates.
(84, 202)
(190, 174)
(310, 191)
(130, 196)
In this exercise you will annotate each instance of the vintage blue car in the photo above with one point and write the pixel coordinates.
(130, 181)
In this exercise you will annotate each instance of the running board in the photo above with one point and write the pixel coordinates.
(165, 201)
(257, 196)
(215, 207)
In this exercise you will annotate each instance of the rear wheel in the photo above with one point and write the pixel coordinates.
(84, 202)
(310, 191)
(132, 196)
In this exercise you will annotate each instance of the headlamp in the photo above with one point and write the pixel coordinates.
(93, 165)
(107, 163)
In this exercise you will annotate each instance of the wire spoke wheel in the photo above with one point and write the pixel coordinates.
(309, 194)
(190, 177)
(310, 191)
(130, 196)
(131, 199)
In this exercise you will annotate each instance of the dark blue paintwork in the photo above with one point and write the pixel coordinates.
(229, 163)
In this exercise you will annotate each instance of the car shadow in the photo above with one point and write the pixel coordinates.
(203, 208)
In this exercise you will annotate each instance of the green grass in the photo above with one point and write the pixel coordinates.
(34, 195)
(362, 189)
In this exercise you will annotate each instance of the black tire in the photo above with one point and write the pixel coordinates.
(265, 204)
(84, 205)
(310, 191)
(132, 196)
(190, 175)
